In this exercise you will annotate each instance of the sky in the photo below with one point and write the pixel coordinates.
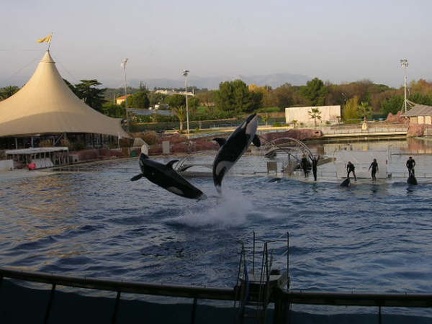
(338, 41)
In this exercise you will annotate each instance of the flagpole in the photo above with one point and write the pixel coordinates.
(49, 43)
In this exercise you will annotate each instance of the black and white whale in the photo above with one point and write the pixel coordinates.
(233, 148)
(346, 183)
(412, 180)
(166, 177)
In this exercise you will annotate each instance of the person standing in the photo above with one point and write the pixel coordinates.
(351, 168)
(304, 163)
(315, 166)
(410, 164)
(374, 169)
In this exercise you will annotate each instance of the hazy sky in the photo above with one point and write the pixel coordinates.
(335, 40)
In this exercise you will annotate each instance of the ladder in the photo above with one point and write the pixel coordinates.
(255, 284)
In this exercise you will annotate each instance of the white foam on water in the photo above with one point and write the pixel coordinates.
(228, 210)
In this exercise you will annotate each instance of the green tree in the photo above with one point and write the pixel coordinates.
(315, 91)
(156, 98)
(364, 110)
(315, 114)
(7, 92)
(206, 98)
(392, 104)
(283, 96)
(224, 97)
(422, 99)
(113, 110)
(177, 104)
(235, 97)
(92, 96)
(256, 99)
(139, 100)
(350, 112)
(193, 104)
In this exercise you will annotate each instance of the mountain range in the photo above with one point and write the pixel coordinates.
(212, 83)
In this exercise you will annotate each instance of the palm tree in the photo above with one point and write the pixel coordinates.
(177, 104)
(315, 114)
(364, 110)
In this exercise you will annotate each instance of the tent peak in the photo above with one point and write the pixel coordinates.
(47, 58)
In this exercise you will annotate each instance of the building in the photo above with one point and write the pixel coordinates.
(420, 115)
(301, 115)
(122, 99)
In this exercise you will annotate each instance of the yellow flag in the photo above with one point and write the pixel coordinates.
(46, 39)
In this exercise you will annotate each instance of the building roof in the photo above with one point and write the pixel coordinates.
(123, 97)
(46, 105)
(419, 110)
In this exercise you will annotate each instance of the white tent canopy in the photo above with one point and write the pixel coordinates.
(46, 105)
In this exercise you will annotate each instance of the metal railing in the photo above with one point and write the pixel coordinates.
(281, 299)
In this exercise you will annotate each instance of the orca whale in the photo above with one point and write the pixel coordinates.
(166, 177)
(346, 183)
(233, 148)
(276, 179)
(412, 180)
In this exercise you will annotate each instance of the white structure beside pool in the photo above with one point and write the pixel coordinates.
(329, 115)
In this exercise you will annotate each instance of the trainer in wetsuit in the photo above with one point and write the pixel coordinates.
(410, 164)
(314, 166)
(304, 163)
(374, 168)
(351, 168)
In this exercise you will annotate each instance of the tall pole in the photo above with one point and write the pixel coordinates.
(404, 64)
(185, 74)
(123, 64)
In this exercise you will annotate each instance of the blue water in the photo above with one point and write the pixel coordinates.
(366, 238)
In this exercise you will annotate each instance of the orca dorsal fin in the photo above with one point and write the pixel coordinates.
(137, 177)
(171, 163)
(220, 141)
(256, 141)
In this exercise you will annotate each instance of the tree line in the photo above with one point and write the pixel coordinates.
(233, 98)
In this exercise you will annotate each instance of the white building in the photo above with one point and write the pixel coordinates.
(329, 115)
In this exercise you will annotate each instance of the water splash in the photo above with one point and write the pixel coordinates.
(225, 211)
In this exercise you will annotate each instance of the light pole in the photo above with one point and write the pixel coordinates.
(404, 64)
(123, 65)
(185, 74)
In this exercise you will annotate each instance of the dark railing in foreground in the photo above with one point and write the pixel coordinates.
(280, 298)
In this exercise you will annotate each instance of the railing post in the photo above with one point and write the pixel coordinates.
(194, 307)
(116, 306)
(379, 315)
(280, 307)
(50, 301)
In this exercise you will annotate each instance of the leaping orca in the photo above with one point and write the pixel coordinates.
(412, 180)
(166, 177)
(233, 148)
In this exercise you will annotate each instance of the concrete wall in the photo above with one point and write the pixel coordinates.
(329, 114)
